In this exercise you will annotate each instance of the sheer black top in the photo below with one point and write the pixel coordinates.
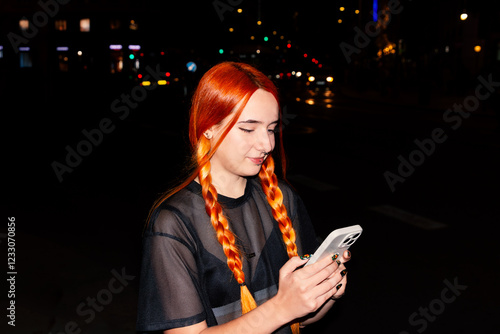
(184, 276)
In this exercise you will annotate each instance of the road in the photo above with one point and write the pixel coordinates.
(426, 262)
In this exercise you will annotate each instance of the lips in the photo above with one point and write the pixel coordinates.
(257, 161)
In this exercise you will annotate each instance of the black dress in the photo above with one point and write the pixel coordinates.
(184, 276)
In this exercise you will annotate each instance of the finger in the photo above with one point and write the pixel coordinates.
(327, 289)
(340, 289)
(323, 273)
(292, 264)
(346, 256)
(340, 267)
(338, 275)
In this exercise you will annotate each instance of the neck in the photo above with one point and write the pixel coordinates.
(232, 187)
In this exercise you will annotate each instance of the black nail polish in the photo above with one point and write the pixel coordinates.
(338, 262)
(343, 272)
(335, 256)
(339, 286)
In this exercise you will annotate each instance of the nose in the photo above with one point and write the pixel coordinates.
(265, 141)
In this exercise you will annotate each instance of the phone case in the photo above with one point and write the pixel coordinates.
(336, 243)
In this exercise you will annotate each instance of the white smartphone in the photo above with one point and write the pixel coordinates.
(336, 243)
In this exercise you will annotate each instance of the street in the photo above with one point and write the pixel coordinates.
(427, 260)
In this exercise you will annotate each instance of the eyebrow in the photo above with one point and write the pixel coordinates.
(253, 121)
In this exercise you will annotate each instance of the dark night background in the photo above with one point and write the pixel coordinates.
(432, 229)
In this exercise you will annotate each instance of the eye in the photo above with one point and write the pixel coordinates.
(274, 130)
(246, 130)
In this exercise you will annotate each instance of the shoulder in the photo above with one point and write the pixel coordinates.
(176, 215)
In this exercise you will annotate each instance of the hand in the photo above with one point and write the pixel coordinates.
(303, 291)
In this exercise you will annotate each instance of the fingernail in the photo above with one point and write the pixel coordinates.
(338, 262)
(335, 256)
(339, 286)
(305, 256)
(348, 254)
(343, 272)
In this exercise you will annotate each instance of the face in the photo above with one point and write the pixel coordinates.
(251, 139)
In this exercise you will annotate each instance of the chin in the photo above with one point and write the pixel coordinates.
(251, 171)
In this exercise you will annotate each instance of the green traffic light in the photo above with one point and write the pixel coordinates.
(221, 51)
(266, 39)
(131, 56)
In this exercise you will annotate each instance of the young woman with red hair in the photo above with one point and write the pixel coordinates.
(221, 250)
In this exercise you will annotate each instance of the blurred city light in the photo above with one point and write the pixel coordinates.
(342, 9)
(298, 74)
(115, 47)
(463, 16)
(24, 24)
(85, 25)
(311, 78)
(477, 48)
(329, 79)
(133, 25)
(191, 66)
(134, 47)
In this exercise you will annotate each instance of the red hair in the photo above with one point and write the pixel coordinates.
(222, 91)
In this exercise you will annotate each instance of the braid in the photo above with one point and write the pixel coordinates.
(269, 183)
(274, 196)
(221, 226)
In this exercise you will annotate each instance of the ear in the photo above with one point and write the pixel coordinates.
(208, 134)
(211, 132)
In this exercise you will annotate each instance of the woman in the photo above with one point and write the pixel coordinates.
(217, 247)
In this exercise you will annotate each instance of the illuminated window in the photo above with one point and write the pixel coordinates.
(133, 25)
(25, 57)
(24, 24)
(116, 58)
(114, 24)
(85, 25)
(62, 57)
(61, 25)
